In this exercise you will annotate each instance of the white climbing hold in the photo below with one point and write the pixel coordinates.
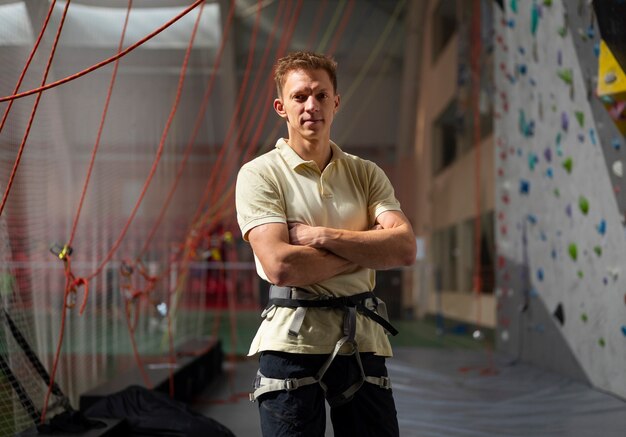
(618, 169)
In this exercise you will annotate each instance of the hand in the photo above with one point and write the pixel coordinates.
(303, 235)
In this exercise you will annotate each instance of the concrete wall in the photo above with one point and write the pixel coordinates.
(560, 227)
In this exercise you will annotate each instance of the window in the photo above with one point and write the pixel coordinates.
(444, 25)
(446, 252)
(487, 249)
(446, 138)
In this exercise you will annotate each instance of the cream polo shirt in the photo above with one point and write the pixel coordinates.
(281, 187)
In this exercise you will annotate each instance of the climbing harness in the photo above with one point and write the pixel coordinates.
(365, 303)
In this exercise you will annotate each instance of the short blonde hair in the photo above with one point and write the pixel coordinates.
(303, 60)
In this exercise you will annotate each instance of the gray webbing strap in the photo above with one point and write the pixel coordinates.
(266, 385)
(300, 312)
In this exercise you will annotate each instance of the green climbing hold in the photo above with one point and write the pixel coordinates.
(547, 2)
(584, 317)
(602, 342)
(598, 250)
(580, 116)
(565, 75)
(562, 31)
(513, 4)
(583, 204)
(557, 193)
(580, 274)
(535, 14)
(573, 251)
(568, 164)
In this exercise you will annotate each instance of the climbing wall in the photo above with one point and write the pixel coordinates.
(560, 200)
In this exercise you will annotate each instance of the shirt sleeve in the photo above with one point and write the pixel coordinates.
(381, 193)
(258, 200)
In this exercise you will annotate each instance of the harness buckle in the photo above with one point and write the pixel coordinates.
(385, 382)
(290, 384)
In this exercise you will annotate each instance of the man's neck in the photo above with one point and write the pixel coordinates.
(312, 150)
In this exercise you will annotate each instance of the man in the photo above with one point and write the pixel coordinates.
(320, 221)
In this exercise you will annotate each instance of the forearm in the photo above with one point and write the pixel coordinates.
(375, 249)
(302, 265)
(378, 248)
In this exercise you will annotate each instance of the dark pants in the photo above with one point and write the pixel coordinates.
(302, 412)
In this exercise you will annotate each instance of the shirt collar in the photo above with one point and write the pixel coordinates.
(294, 160)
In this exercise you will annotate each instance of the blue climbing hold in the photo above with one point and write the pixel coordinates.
(601, 227)
(592, 136)
(524, 186)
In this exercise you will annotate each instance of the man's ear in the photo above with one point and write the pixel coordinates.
(280, 108)
(337, 102)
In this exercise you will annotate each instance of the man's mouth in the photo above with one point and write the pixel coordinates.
(312, 120)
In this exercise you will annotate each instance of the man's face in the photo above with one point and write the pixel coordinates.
(308, 103)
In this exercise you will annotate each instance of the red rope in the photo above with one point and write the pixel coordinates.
(101, 127)
(157, 159)
(229, 133)
(33, 112)
(342, 26)
(286, 38)
(316, 22)
(30, 59)
(106, 61)
(195, 131)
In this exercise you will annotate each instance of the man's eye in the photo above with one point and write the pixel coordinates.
(299, 98)
(322, 96)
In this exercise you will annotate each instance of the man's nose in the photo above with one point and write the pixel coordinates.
(311, 104)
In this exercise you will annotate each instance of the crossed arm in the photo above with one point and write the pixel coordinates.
(296, 254)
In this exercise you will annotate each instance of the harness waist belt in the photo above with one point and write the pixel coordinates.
(365, 303)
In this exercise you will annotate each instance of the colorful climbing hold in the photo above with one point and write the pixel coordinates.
(624, 330)
(580, 117)
(616, 143)
(535, 14)
(601, 227)
(533, 159)
(564, 122)
(584, 317)
(573, 251)
(540, 274)
(602, 342)
(592, 136)
(568, 164)
(547, 153)
(559, 314)
(580, 274)
(597, 250)
(524, 186)
(513, 5)
(566, 75)
(549, 172)
(583, 204)
(618, 168)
